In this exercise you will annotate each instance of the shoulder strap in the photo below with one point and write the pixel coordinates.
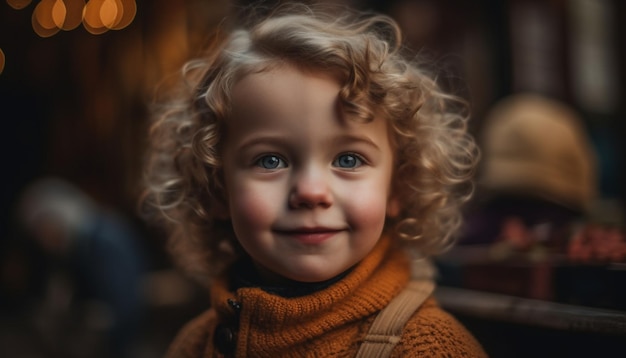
(386, 331)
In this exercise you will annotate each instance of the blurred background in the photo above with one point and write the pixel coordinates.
(540, 259)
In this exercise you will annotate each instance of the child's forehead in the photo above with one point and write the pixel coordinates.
(280, 98)
(287, 100)
(283, 83)
(283, 89)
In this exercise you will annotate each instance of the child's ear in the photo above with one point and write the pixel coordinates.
(393, 207)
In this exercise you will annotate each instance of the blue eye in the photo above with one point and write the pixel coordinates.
(348, 161)
(271, 162)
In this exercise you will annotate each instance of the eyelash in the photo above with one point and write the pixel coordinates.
(259, 162)
(282, 163)
(359, 160)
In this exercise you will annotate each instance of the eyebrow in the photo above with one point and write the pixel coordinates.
(353, 138)
(263, 139)
(282, 141)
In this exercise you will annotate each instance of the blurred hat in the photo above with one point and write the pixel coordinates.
(537, 146)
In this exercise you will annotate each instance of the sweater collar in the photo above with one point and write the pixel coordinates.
(245, 275)
(271, 323)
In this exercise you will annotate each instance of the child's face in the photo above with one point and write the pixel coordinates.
(308, 190)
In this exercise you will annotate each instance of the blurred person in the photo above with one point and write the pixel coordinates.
(94, 265)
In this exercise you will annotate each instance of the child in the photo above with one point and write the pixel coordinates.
(305, 162)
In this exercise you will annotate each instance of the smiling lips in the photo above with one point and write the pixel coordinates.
(310, 236)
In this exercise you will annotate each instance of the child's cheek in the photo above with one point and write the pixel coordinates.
(254, 206)
(368, 209)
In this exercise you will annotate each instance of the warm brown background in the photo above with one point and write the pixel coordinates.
(75, 104)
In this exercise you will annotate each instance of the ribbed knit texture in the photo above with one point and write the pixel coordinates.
(328, 323)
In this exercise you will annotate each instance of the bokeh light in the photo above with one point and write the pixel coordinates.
(18, 4)
(42, 21)
(43, 14)
(97, 16)
(59, 13)
(110, 13)
(92, 20)
(1, 61)
(128, 9)
(103, 15)
(74, 16)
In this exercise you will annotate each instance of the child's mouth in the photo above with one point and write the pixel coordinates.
(310, 236)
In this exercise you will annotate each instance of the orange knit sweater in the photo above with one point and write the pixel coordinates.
(328, 323)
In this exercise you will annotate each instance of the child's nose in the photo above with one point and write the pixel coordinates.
(310, 189)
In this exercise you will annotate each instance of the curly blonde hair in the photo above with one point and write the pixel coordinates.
(435, 156)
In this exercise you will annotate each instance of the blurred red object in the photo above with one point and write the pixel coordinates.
(594, 243)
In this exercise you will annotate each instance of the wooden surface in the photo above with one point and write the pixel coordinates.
(498, 307)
